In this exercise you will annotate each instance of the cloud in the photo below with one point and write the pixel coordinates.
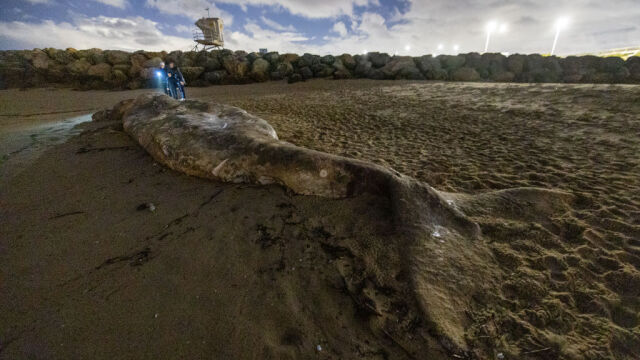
(115, 3)
(309, 8)
(193, 9)
(131, 33)
(255, 37)
(183, 28)
(276, 26)
(40, 1)
(340, 28)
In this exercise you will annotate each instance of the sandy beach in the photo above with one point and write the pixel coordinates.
(218, 270)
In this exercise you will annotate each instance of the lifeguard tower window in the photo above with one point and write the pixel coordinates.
(209, 34)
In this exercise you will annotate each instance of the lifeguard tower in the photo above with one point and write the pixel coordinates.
(208, 35)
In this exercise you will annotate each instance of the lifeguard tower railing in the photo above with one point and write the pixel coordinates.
(209, 33)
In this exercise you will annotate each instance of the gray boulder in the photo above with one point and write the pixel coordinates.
(271, 57)
(328, 60)
(402, 67)
(100, 71)
(79, 68)
(451, 62)
(237, 67)
(191, 73)
(153, 63)
(465, 74)
(216, 77)
(260, 70)
(348, 61)
(306, 73)
(378, 60)
(115, 57)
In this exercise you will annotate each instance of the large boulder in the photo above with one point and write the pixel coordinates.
(138, 59)
(515, 63)
(363, 67)
(216, 77)
(208, 61)
(60, 56)
(95, 56)
(378, 60)
(100, 71)
(119, 79)
(191, 73)
(307, 60)
(322, 70)
(348, 61)
(541, 69)
(154, 62)
(306, 73)
(402, 67)
(272, 57)
(505, 76)
(328, 59)
(465, 74)
(253, 56)
(633, 65)
(341, 71)
(56, 74)
(431, 68)
(79, 68)
(480, 63)
(260, 69)
(236, 66)
(40, 60)
(282, 70)
(115, 57)
(451, 63)
(290, 58)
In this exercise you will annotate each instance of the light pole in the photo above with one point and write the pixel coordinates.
(491, 28)
(561, 24)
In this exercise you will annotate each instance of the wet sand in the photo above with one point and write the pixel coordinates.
(230, 271)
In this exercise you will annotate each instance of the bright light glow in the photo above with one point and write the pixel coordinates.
(159, 73)
(407, 47)
(506, 53)
(440, 46)
(456, 48)
(561, 24)
(364, 52)
(492, 27)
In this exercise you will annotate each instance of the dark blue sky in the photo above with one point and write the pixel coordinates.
(324, 26)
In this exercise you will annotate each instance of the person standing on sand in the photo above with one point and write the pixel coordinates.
(164, 83)
(176, 81)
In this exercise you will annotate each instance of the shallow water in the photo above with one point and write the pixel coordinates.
(20, 147)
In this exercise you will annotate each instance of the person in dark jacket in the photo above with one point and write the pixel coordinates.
(176, 81)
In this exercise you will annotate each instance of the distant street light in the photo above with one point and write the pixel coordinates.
(560, 25)
(491, 28)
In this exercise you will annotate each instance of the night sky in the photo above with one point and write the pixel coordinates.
(325, 26)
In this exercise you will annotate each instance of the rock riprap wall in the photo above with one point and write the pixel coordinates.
(114, 69)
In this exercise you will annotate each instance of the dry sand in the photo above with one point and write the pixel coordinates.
(231, 271)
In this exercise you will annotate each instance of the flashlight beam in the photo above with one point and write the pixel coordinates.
(486, 45)
(555, 41)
